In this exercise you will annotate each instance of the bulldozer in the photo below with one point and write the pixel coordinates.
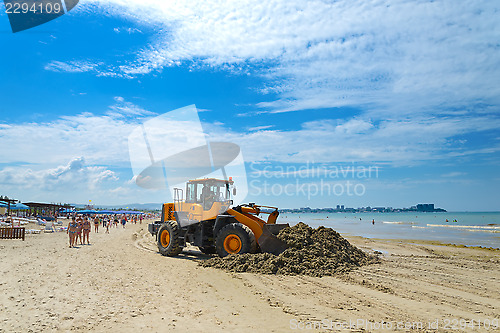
(205, 217)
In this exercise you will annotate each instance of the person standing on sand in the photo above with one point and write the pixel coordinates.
(124, 220)
(96, 224)
(72, 229)
(79, 222)
(86, 230)
(108, 225)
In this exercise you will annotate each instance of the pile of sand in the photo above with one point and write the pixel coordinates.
(314, 252)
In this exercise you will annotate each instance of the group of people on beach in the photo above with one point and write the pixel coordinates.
(79, 227)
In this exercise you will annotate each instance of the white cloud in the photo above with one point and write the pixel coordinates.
(400, 56)
(102, 139)
(397, 142)
(35, 155)
(127, 30)
(73, 66)
(123, 108)
(74, 175)
(99, 139)
(454, 174)
(260, 128)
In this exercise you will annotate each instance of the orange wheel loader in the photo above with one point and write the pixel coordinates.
(206, 218)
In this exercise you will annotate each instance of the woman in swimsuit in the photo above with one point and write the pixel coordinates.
(96, 224)
(108, 224)
(79, 221)
(86, 230)
(72, 229)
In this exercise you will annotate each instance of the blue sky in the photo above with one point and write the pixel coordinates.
(411, 88)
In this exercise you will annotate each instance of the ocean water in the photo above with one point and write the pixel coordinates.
(473, 229)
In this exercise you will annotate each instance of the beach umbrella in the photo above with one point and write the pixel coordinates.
(106, 212)
(19, 206)
(128, 212)
(87, 211)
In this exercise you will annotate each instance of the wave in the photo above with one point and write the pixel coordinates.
(398, 222)
(464, 226)
(469, 228)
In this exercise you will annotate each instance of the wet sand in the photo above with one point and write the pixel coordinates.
(121, 283)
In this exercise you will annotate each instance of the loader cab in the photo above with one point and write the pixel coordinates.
(206, 192)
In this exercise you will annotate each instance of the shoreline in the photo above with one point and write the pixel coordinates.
(424, 242)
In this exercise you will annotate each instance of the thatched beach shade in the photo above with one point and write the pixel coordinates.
(39, 208)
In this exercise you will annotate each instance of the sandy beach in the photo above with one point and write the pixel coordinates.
(120, 283)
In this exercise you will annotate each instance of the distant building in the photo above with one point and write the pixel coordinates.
(338, 207)
(425, 207)
(342, 207)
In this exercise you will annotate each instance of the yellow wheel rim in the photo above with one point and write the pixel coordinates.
(165, 238)
(232, 244)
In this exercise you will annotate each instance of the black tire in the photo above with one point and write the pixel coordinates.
(238, 233)
(208, 249)
(168, 239)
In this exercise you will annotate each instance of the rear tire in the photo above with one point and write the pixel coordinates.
(168, 239)
(235, 238)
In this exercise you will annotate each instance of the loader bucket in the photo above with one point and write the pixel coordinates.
(269, 242)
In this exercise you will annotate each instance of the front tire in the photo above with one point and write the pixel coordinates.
(235, 238)
(168, 239)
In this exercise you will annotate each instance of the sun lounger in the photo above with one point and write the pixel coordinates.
(49, 227)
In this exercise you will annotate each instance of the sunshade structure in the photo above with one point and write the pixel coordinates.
(8, 203)
(108, 212)
(128, 212)
(45, 209)
(87, 212)
(19, 206)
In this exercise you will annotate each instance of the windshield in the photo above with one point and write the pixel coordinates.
(202, 192)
